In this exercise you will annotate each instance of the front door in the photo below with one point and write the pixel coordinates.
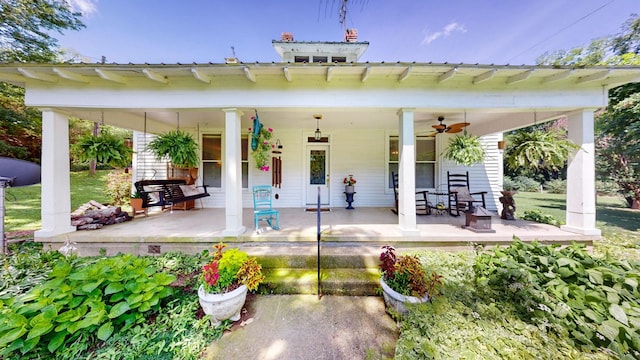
(317, 174)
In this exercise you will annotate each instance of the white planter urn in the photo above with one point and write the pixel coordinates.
(396, 301)
(222, 306)
(349, 189)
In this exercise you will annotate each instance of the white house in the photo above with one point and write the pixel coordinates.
(375, 119)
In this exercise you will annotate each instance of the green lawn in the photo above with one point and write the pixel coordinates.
(620, 225)
(23, 203)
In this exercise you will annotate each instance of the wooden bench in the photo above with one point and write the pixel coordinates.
(166, 192)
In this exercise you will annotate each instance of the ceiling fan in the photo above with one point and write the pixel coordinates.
(442, 127)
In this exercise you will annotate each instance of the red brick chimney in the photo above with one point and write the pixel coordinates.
(351, 35)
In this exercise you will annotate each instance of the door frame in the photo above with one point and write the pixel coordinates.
(307, 147)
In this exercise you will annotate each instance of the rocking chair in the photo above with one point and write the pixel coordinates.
(422, 204)
(460, 198)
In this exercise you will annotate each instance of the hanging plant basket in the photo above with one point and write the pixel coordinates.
(105, 148)
(465, 150)
(180, 147)
(540, 149)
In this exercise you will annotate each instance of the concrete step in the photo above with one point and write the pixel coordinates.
(346, 269)
(336, 281)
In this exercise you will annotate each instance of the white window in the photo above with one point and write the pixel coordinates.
(212, 160)
(425, 161)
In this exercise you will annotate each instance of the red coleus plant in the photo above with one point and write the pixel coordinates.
(230, 269)
(405, 274)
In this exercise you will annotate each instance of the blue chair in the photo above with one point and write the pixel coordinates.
(262, 209)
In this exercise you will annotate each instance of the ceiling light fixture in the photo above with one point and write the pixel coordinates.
(317, 134)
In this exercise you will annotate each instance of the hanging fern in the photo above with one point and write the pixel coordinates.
(104, 149)
(179, 146)
(465, 150)
(537, 149)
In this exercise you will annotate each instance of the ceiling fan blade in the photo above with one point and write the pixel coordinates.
(433, 134)
(439, 127)
(459, 125)
(453, 131)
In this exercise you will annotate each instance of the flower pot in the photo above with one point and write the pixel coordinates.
(396, 301)
(508, 192)
(222, 306)
(349, 189)
(136, 206)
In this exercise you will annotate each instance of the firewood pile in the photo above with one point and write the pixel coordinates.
(93, 215)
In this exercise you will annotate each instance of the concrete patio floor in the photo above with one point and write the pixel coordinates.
(197, 229)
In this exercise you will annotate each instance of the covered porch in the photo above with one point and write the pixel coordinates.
(359, 230)
(367, 107)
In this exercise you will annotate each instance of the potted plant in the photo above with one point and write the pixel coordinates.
(225, 280)
(105, 148)
(181, 149)
(136, 203)
(465, 150)
(404, 280)
(348, 182)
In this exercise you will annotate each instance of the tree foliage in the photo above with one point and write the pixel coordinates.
(26, 35)
(20, 126)
(26, 28)
(617, 128)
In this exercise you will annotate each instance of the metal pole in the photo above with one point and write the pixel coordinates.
(318, 225)
(4, 182)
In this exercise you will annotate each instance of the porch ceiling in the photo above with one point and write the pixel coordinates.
(481, 122)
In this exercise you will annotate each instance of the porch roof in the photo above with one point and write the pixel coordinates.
(496, 98)
(435, 74)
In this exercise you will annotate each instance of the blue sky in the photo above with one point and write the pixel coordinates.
(454, 31)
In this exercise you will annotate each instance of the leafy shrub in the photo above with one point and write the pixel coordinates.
(593, 302)
(97, 299)
(539, 217)
(607, 187)
(119, 187)
(526, 184)
(27, 267)
(509, 184)
(463, 324)
(556, 186)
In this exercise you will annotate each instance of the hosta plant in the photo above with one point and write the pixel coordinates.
(98, 299)
(594, 302)
(227, 270)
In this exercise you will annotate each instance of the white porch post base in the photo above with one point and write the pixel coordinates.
(56, 184)
(410, 232)
(581, 231)
(581, 188)
(233, 173)
(234, 232)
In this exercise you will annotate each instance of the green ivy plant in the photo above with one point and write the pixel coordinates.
(464, 150)
(108, 296)
(180, 147)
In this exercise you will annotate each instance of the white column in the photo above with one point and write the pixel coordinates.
(233, 173)
(581, 197)
(56, 184)
(406, 174)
